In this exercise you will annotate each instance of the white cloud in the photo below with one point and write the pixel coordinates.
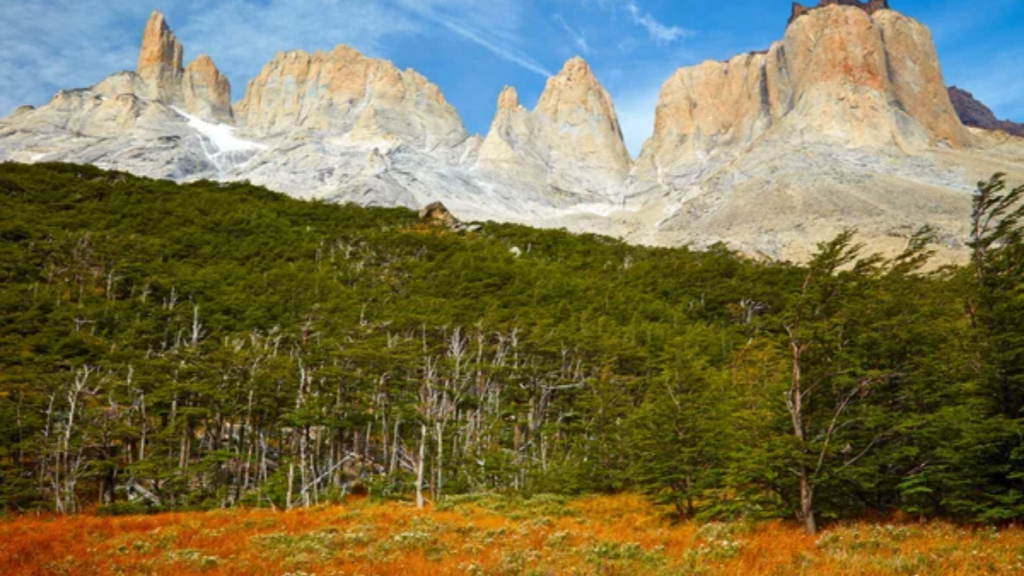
(508, 53)
(660, 33)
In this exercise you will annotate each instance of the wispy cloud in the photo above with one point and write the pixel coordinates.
(243, 35)
(577, 37)
(50, 46)
(660, 33)
(508, 53)
(493, 25)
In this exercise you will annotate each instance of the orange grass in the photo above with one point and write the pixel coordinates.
(621, 535)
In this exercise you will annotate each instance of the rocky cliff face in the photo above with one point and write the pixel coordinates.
(774, 152)
(975, 114)
(570, 144)
(345, 127)
(131, 120)
(200, 89)
(363, 100)
(840, 76)
(160, 67)
(206, 92)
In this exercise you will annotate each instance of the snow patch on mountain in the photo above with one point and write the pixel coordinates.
(221, 136)
(220, 145)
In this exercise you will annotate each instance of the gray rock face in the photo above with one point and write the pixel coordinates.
(845, 123)
(123, 132)
(974, 113)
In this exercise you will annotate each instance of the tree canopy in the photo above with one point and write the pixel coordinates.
(170, 346)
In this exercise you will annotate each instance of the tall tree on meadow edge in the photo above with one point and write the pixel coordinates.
(813, 332)
(834, 378)
(997, 243)
(997, 314)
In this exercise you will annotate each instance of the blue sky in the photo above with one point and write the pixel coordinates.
(473, 48)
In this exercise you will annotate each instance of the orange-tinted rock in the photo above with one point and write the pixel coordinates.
(365, 99)
(509, 99)
(708, 106)
(207, 92)
(160, 61)
(916, 77)
(841, 75)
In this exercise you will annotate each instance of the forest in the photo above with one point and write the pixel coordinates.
(171, 347)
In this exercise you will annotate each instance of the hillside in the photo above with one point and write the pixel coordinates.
(169, 346)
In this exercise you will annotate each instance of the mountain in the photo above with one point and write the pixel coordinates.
(844, 123)
(570, 144)
(974, 113)
(135, 121)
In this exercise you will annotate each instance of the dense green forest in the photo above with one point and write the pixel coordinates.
(209, 345)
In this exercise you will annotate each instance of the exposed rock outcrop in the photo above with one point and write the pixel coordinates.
(207, 92)
(200, 89)
(364, 100)
(840, 76)
(436, 214)
(869, 6)
(570, 144)
(836, 126)
(977, 115)
(161, 58)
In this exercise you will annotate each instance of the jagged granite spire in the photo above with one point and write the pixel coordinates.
(206, 91)
(160, 61)
(571, 141)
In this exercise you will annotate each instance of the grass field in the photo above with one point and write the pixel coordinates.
(620, 535)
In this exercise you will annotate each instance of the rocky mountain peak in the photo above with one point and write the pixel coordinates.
(869, 6)
(160, 60)
(201, 89)
(575, 86)
(366, 100)
(576, 68)
(842, 75)
(977, 115)
(570, 142)
(207, 92)
(509, 99)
